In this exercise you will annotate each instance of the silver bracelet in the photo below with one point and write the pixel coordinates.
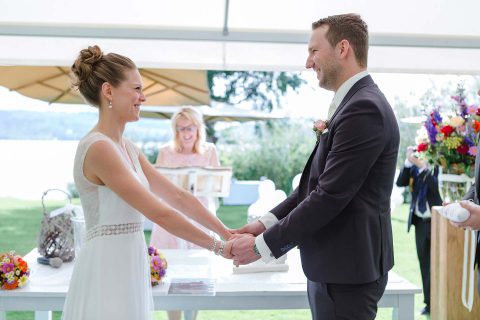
(214, 244)
(220, 248)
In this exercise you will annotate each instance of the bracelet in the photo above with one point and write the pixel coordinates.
(214, 244)
(220, 248)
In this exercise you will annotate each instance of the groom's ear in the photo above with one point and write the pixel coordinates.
(344, 48)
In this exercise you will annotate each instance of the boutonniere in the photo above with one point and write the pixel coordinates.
(320, 127)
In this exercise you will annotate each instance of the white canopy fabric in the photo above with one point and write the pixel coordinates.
(428, 36)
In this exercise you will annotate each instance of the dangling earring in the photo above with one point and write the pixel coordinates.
(109, 104)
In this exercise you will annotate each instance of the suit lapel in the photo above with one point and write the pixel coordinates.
(365, 81)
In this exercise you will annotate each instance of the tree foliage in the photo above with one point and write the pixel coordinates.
(263, 89)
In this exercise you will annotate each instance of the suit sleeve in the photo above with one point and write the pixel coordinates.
(403, 179)
(359, 139)
(287, 205)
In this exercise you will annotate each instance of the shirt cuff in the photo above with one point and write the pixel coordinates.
(265, 253)
(408, 164)
(268, 220)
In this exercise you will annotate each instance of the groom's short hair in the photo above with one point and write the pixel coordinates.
(350, 27)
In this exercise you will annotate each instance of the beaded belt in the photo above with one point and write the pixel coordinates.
(113, 229)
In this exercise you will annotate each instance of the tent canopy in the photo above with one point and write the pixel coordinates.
(408, 36)
(162, 87)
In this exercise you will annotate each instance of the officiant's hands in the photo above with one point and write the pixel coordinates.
(254, 228)
(242, 250)
(473, 222)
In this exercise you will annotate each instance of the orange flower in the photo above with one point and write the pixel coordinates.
(476, 125)
(22, 265)
(11, 286)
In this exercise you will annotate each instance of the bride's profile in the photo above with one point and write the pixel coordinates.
(118, 187)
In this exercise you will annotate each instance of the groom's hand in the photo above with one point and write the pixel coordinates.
(255, 228)
(227, 251)
(242, 250)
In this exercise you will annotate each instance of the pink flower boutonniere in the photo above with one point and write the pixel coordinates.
(320, 127)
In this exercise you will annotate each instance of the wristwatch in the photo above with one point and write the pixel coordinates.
(255, 249)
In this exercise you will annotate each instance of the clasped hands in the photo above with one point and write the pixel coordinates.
(239, 246)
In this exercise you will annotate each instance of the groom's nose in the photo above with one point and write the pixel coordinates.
(309, 63)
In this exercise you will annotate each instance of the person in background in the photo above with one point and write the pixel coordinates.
(188, 148)
(423, 183)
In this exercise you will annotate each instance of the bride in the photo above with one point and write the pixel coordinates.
(117, 187)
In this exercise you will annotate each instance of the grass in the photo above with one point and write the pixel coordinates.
(20, 223)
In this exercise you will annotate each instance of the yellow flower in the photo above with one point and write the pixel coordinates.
(22, 281)
(452, 142)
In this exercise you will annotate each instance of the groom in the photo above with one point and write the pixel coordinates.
(339, 216)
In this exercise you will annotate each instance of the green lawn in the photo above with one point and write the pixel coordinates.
(20, 221)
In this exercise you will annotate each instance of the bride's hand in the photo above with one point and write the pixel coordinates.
(227, 251)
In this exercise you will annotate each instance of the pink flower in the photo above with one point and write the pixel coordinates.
(472, 151)
(7, 267)
(472, 109)
(320, 125)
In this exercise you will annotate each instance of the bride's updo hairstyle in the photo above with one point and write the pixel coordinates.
(92, 68)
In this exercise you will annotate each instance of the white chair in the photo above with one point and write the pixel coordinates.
(210, 182)
(296, 181)
(200, 181)
(268, 198)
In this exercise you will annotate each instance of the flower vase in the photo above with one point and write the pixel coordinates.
(453, 187)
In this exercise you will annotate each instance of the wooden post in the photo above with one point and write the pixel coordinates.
(446, 273)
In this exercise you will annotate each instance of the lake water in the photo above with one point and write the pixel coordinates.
(29, 167)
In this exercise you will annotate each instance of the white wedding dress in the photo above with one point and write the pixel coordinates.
(111, 276)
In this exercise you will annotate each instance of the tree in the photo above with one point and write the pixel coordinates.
(263, 89)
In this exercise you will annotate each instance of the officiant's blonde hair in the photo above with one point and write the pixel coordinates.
(350, 27)
(197, 118)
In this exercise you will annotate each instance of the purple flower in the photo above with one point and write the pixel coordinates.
(156, 263)
(151, 250)
(436, 116)
(469, 142)
(7, 267)
(456, 98)
(432, 132)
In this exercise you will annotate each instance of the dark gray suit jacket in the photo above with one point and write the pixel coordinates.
(339, 215)
(472, 194)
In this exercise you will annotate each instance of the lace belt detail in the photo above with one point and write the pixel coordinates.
(113, 229)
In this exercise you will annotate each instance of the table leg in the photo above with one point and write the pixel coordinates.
(189, 314)
(43, 315)
(405, 309)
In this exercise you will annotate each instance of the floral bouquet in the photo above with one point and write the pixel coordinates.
(158, 265)
(14, 271)
(449, 139)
